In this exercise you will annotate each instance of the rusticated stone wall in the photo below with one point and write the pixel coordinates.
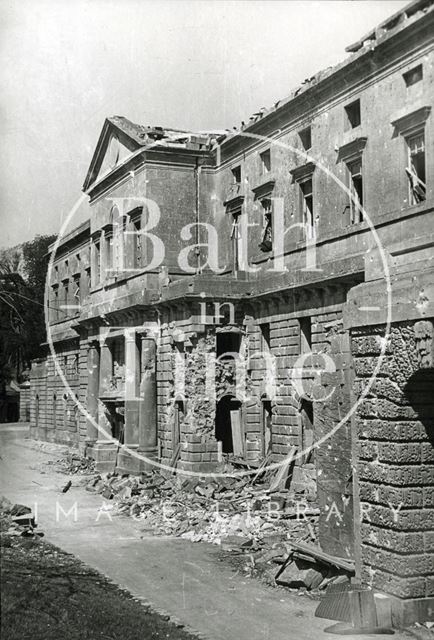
(395, 435)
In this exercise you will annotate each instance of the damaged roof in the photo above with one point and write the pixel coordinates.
(389, 27)
(136, 137)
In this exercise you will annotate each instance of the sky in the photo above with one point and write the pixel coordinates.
(188, 64)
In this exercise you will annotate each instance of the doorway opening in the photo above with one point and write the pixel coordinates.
(307, 429)
(267, 422)
(37, 411)
(178, 421)
(228, 426)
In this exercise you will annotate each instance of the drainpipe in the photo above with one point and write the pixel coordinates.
(197, 217)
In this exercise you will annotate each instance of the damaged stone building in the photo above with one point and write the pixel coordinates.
(264, 293)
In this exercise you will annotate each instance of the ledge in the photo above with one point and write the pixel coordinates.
(405, 120)
(352, 149)
(301, 173)
(264, 189)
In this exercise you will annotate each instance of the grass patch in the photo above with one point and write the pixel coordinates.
(47, 594)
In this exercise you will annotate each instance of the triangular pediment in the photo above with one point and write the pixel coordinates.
(119, 138)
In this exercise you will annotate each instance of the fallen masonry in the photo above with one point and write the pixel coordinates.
(264, 528)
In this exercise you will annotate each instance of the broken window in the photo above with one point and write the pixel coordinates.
(265, 337)
(416, 171)
(355, 185)
(306, 189)
(75, 365)
(237, 241)
(88, 279)
(413, 76)
(137, 224)
(267, 228)
(236, 174)
(97, 252)
(117, 348)
(65, 296)
(353, 114)
(77, 295)
(55, 304)
(227, 343)
(306, 138)
(265, 157)
(305, 325)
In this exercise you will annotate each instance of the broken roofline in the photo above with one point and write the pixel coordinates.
(137, 138)
(270, 121)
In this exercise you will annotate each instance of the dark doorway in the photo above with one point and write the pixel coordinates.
(178, 420)
(223, 422)
(307, 429)
(267, 421)
(419, 392)
(37, 411)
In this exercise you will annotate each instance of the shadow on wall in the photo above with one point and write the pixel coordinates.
(419, 392)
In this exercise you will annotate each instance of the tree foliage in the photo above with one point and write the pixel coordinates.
(22, 319)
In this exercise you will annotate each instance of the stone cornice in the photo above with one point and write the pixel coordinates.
(264, 189)
(352, 149)
(410, 118)
(302, 173)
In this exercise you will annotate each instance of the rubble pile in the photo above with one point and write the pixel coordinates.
(208, 511)
(72, 463)
(17, 520)
(247, 520)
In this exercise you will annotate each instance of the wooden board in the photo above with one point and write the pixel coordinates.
(176, 455)
(318, 554)
(281, 476)
(237, 436)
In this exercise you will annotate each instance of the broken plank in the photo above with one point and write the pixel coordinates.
(237, 438)
(261, 467)
(318, 554)
(176, 455)
(281, 476)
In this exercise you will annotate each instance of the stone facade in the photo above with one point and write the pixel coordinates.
(254, 244)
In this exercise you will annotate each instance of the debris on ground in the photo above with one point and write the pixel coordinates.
(67, 486)
(244, 518)
(17, 520)
(73, 463)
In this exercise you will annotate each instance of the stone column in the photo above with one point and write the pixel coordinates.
(148, 402)
(132, 377)
(106, 370)
(92, 392)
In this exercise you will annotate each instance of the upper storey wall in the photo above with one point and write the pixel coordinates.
(391, 95)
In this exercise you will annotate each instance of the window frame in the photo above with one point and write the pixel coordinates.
(305, 210)
(413, 76)
(265, 159)
(350, 124)
(413, 198)
(356, 213)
